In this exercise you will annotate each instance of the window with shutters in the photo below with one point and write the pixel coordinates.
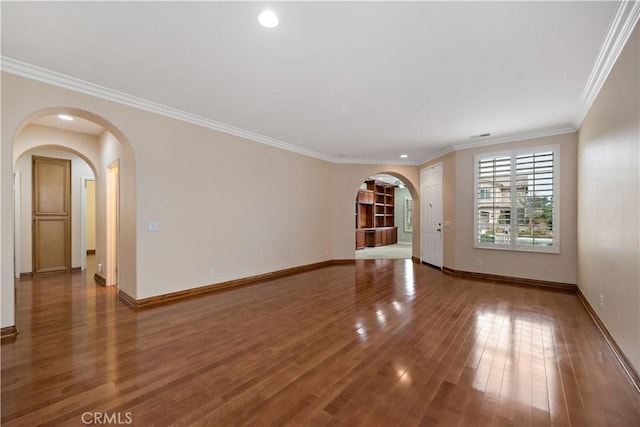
(516, 200)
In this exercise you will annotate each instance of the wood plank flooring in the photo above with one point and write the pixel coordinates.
(381, 343)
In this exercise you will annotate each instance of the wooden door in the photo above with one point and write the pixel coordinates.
(51, 214)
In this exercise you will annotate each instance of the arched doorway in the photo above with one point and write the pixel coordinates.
(28, 236)
(384, 218)
(101, 145)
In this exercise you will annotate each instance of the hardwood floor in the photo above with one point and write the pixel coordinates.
(381, 343)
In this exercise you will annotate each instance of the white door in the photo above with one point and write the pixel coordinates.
(431, 215)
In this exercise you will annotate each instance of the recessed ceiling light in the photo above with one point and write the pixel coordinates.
(404, 156)
(65, 117)
(268, 19)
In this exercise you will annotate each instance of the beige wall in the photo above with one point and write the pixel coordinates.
(539, 266)
(7, 295)
(79, 169)
(293, 210)
(90, 225)
(608, 202)
(31, 136)
(281, 217)
(112, 150)
(459, 217)
(290, 210)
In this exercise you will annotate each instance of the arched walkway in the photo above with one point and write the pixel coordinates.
(100, 151)
(384, 222)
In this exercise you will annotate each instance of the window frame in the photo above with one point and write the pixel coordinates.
(554, 248)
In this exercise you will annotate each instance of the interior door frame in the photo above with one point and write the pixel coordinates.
(17, 223)
(113, 223)
(83, 221)
(423, 214)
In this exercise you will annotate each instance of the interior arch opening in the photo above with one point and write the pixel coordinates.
(93, 146)
(33, 253)
(384, 218)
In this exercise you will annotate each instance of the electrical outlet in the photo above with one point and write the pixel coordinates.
(601, 300)
(212, 272)
(478, 261)
(99, 268)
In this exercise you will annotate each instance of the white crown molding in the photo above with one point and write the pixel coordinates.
(504, 139)
(351, 161)
(33, 72)
(620, 29)
(437, 155)
(521, 136)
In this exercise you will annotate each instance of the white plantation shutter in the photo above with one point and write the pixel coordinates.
(516, 200)
(493, 180)
(534, 199)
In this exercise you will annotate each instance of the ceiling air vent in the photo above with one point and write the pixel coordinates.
(482, 135)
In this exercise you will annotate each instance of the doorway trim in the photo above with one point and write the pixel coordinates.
(83, 221)
(17, 223)
(113, 223)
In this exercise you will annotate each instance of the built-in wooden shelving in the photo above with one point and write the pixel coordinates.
(375, 222)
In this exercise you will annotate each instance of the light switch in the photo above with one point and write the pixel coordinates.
(153, 227)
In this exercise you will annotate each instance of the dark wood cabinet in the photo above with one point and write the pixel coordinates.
(364, 209)
(360, 238)
(379, 236)
(365, 197)
(375, 215)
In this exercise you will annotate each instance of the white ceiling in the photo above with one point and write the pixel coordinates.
(77, 125)
(390, 179)
(345, 81)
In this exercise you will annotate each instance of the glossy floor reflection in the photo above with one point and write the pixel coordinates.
(384, 342)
